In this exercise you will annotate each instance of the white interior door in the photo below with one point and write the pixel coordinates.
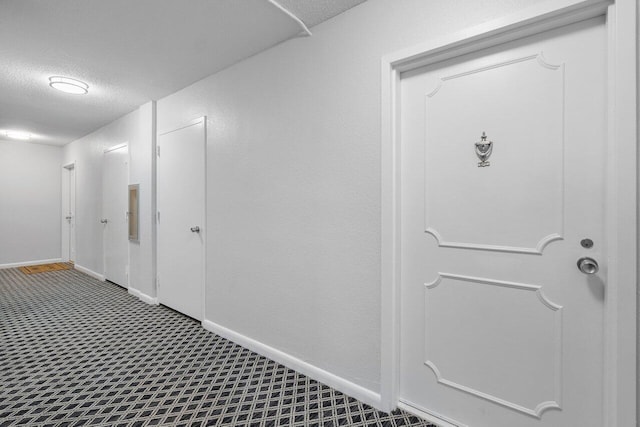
(68, 213)
(498, 326)
(72, 214)
(181, 219)
(115, 182)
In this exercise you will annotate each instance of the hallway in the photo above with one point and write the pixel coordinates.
(77, 351)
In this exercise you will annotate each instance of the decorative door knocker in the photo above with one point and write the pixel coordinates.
(483, 151)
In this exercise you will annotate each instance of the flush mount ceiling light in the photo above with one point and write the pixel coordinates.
(68, 85)
(16, 134)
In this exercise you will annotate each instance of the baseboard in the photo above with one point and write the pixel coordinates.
(88, 272)
(143, 297)
(347, 387)
(432, 417)
(28, 263)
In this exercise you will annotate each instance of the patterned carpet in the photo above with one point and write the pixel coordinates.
(75, 351)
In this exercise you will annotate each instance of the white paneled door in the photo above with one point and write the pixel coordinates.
(503, 186)
(181, 218)
(115, 183)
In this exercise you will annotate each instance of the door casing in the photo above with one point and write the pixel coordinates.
(620, 225)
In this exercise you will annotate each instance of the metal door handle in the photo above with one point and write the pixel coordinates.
(67, 217)
(588, 265)
(103, 221)
(195, 229)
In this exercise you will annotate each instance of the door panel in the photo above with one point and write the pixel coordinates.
(525, 173)
(498, 325)
(532, 336)
(115, 184)
(181, 206)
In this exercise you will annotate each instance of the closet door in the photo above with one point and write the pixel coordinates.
(181, 219)
(115, 180)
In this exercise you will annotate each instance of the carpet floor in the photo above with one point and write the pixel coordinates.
(75, 351)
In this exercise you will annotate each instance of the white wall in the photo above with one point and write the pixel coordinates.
(294, 181)
(136, 129)
(29, 202)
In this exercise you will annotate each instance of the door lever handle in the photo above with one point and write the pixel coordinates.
(195, 229)
(103, 221)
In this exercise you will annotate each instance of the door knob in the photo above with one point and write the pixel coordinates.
(588, 265)
(195, 229)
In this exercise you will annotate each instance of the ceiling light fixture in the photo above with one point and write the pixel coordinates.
(68, 85)
(16, 134)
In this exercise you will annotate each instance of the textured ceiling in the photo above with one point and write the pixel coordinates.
(129, 52)
(313, 12)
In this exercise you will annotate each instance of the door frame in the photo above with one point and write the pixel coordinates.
(104, 240)
(620, 356)
(203, 120)
(66, 233)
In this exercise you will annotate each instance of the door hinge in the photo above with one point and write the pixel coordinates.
(158, 150)
(158, 216)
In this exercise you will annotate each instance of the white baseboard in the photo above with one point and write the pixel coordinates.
(28, 263)
(91, 273)
(143, 297)
(432, 417)
(347, 387)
